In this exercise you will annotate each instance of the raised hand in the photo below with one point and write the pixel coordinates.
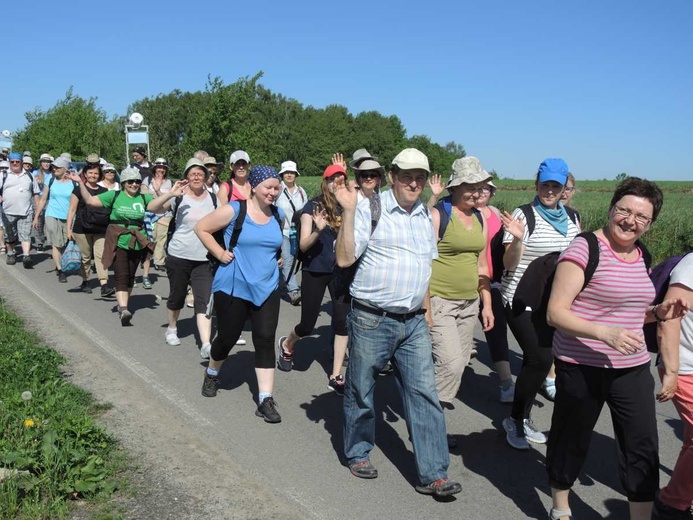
(319, 218)
(179, 188)
(338, 158)
(345, 193)
(515, 227)
(436, 184)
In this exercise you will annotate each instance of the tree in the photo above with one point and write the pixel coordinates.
(74, 125)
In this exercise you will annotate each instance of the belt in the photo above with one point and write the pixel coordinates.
(355, 304)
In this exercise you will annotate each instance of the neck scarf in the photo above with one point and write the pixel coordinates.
(558, 218)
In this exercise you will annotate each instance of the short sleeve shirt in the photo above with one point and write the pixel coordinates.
(125, 207)
(683, 274)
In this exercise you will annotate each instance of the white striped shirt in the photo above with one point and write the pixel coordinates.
(544, 240)
(396, 260)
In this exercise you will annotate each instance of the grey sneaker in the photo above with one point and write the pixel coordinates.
(27, 262)
(210, 385)
(532, 434)
(146, 283)
(268, 410)
(284, 358)
(507, 395)
(172, 338)
(125, 317)
(11, 259)
(205, 350)
(516, 439)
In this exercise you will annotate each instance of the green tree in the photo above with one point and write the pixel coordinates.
(439, 158)
(382, 136)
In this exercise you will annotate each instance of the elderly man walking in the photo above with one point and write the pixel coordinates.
(395, 251)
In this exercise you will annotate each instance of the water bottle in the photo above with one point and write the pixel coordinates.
(293, 240)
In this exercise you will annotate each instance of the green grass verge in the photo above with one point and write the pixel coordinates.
(50, 443)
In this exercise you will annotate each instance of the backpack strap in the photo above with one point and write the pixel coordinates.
(528, 210)
(646, 255)
(444, 207)
(214, 199)
(238, 224)
(4, 178)
(288, 196)
(376, 210)
(573, 215)
(592, 256)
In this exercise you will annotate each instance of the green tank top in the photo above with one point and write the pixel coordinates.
(455, 273)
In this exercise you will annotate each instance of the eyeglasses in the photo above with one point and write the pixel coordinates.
(569, 190)
(643, 220)
(408, 178)
(133, 182)
(467, 189)
(196, 174)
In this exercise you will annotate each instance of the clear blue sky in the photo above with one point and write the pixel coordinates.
(608, 86)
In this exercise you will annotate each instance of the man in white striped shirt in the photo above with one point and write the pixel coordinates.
(387, 320)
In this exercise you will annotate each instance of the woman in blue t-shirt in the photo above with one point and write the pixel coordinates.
(246, 283)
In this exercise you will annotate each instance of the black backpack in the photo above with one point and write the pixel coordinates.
(218, 235)
(94, 220)
(534, 288)
(498, 248)
(444, 207)
(172, 223)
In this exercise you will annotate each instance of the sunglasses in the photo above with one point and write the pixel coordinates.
(133, 182)
(15, 162)
(370, 175)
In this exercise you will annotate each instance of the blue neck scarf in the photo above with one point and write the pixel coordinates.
(558, 217)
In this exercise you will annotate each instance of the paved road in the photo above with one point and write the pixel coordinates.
(293, 469)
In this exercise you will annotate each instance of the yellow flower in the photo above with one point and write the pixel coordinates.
(28, 423)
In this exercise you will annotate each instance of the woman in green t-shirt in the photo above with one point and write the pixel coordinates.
(126, 240)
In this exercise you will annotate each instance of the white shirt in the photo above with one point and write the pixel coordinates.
(683, 274)
(17, 192)
(396, 260)
(284, 201)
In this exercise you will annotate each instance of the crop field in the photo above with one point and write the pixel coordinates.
(672, 234)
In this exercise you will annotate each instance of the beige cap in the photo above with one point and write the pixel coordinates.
(411, 159)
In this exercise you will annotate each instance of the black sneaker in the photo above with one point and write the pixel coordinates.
(11, 259)
(268, 410)
(210, 385)
(442, 487)
(61, 277)
(125, 317)
(84, 287)
(284, 358)
(336, 384)
(27, 262)
(107, 291)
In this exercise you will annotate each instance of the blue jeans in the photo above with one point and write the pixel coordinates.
(287, 265)
(373, 340)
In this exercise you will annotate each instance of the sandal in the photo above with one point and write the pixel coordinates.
(3, 250)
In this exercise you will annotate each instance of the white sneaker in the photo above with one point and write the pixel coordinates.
(205, 350)
(240, 341)
(172, 337)
(516, 441)
(532, 434)
(507, 395)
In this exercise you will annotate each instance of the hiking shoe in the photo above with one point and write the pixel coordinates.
(515, 438)
(11, 259)
(268, 410)
(189, 301)
(507, 395)
(107, 291)
(442, 487)
(295, 297)
(205, 350)
(210, 385)
(172, 338)
(336, 384)
(125, 317)
(363, 469)
(555, 514)
(532, 434)
(27, 262)
(473, 353)
(387, 369)
(146, 283)
(548, 389)
(241, 341)
(62, 278)
(284, 358)
(84, 287)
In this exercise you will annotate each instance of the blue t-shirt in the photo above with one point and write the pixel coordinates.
(253, 275)
(59, 198)
(321, 257)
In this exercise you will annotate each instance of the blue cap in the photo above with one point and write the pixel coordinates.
(553, 170)
(15, 156)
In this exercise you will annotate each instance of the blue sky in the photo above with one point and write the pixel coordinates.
(608, 86)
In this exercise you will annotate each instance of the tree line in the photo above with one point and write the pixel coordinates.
(224, 117)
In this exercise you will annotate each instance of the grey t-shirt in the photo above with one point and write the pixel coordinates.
(184, 243)
(17, 192)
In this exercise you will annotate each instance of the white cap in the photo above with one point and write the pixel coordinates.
(411, 159)
(239, 155)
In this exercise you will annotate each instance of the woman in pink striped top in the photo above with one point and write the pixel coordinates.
(600, 352)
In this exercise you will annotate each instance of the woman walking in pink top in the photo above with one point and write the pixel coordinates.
(600, 352)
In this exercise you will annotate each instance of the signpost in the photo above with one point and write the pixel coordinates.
(136, 133)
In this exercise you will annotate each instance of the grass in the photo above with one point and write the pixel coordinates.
(671, 234)
(49, 439)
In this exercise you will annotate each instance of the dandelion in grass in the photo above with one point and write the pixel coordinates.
(26, 396)
(28, 423)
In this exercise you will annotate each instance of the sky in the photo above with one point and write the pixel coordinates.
(607, 86)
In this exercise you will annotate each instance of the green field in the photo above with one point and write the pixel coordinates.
(672, 234)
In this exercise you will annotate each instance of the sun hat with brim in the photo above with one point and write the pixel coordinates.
(160, 163)
(467, 170)
(4, 164)
(555, 170)
(210, 161)
(61, 162)
(288, 166)
(27, 160)
(46, 157)
(411, 159)
(359, 156)
(192, 163)
(130, 174)
(108, 167)
(334, 169)
(370, 165)
(493, 186)
(93, 158)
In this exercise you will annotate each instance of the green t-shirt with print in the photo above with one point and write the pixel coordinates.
(125, 207)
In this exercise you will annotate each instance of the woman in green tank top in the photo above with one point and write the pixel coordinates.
(460, 275)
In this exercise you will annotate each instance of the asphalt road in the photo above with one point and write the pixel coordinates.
(218, 456)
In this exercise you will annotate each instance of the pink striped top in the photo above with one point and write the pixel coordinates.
(618, 294)
(494, 224)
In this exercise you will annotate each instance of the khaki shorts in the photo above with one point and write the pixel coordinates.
(56, 232)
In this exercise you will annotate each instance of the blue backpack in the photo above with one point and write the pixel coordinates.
(71, 260)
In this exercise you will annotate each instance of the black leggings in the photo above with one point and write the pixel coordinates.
(125, 264)
(312, 291)
(536, 362)
(231, 315)
(497, 337)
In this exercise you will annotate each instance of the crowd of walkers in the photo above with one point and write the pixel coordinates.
(408, 282)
